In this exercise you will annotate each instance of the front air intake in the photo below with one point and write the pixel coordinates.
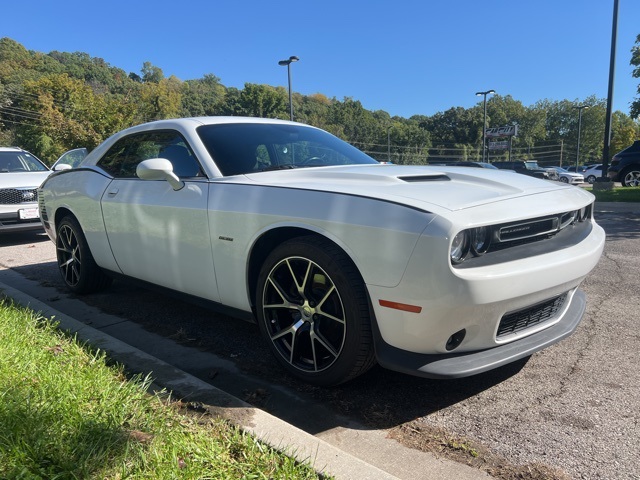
(529, 317)
(425, 178)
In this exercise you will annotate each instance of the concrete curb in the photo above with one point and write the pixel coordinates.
(276, 433)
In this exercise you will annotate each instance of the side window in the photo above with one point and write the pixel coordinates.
(123, 157)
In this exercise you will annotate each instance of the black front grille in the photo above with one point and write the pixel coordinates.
(525, 230)
(537, 235)
(16, 196)
(520, 320)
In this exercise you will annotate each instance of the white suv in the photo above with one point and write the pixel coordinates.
(592, 173)
(21, 173)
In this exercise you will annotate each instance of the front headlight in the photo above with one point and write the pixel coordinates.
(480, 239)
(459, 247)
(474, 240)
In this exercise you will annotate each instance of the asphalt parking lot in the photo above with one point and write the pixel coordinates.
(572, 408)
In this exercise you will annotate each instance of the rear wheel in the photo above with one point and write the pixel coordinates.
(75, 262)
(630, 177)
(313, 310)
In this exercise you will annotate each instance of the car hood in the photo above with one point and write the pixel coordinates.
(22, 179)
(451, 188)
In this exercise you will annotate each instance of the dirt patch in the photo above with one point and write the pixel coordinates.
(462, 450)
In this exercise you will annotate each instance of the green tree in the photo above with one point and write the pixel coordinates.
(312, 109)
(408, 142)
(453, 128)
(202, 97)
(264, 101)
(159, 100)
(624, 131)
(351, 121)
(68, 114)
(151, 73)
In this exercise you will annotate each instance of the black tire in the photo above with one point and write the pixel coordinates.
(76, 264)
(591, 179)
(564, 179)
(313, 310)
(630, 177)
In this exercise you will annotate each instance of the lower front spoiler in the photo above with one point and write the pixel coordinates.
(20, 227)
(471, 363)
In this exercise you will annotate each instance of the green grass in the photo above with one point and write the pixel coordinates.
(66, 414)
(618, 194)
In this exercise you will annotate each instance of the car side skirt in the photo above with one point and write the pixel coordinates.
(444, 366)
(195, 300)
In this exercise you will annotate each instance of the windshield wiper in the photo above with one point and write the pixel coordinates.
(286, 166)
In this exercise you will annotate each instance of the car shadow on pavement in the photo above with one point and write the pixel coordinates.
(379, 399)
(17, 238)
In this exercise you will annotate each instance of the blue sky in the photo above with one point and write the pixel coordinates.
(405, 56)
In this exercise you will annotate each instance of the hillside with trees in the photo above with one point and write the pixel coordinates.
(56, 101)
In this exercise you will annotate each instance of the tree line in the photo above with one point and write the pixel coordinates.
(53, 102)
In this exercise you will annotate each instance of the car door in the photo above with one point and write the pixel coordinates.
(158, 234)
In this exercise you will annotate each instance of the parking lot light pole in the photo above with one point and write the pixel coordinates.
(580, 108)
(608, 118)
(484, 123)
(288, 63)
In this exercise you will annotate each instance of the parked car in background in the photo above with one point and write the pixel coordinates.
(625, 166)
(591, 173)
(526, 168)
(439, 272)
(21, 173)
(565, 176)
(572, 168)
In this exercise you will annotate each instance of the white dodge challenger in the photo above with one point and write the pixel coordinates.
(343, 262)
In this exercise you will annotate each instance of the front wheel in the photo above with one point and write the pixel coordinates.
(631, 177)
(75, 262)
(591, 179)
(564, 179)
(313, 310)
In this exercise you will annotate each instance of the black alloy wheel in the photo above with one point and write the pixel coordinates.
(75, 262)
(313, 309)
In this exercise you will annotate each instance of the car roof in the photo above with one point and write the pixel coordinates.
(190, 123)
(217, 120)
(11, 149)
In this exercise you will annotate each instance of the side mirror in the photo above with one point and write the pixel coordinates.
(159, 169)
(61, 166)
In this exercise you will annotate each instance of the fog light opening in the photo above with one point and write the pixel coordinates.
(455, 340)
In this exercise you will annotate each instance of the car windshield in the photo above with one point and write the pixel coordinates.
(17, 162)
(256, 147)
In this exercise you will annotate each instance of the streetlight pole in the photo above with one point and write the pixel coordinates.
(389, 143)
(607, 124)
(288, 63)
(484, 124)
(580, 108)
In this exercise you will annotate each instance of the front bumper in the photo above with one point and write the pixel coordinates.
(9, 222)
(457, 365)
